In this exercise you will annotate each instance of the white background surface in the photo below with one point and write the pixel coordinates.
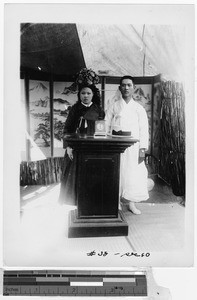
(182, 282)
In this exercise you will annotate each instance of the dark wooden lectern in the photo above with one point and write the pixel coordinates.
(97, 186)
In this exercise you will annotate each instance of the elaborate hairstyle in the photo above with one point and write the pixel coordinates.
(96, 93)
(88, 78)
(126, 77)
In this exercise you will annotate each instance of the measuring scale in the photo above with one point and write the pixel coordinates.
(133, 284)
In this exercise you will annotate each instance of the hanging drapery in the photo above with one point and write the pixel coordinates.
(172, 136)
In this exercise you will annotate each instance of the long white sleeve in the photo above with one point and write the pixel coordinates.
(109, 117)
(143, 128)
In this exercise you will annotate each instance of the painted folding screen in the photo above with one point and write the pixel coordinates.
(39, 117)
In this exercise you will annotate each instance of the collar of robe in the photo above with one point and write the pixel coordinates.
(87, 105)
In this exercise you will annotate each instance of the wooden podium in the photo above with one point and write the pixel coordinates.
(97, 186)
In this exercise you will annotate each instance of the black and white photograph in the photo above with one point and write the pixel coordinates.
(99, 135)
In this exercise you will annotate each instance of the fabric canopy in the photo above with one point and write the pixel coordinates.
(111, 50)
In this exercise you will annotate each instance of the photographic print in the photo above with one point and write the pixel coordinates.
(117, 194)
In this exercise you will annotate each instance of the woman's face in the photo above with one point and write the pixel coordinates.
(86, 95)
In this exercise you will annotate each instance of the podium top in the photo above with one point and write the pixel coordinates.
(104, 143)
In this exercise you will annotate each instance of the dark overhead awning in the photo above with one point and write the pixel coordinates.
(51, 48)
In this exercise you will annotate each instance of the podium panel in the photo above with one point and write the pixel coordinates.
(98, 189)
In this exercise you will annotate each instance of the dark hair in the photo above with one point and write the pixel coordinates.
(96, 93)
(126, 77)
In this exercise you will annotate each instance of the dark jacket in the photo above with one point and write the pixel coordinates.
(81, 119)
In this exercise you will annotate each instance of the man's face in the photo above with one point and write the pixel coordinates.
(127, 88)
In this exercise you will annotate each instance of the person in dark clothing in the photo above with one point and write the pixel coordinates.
(81, 119)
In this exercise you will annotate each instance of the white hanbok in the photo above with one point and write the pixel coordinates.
(132, 117)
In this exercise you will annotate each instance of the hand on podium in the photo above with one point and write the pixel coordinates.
(141, 155)
(69, 152)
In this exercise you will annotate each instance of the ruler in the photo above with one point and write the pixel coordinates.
(74, 283)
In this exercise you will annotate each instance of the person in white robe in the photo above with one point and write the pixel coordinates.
(126, 115)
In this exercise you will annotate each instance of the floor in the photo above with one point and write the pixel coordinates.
(44, 224)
